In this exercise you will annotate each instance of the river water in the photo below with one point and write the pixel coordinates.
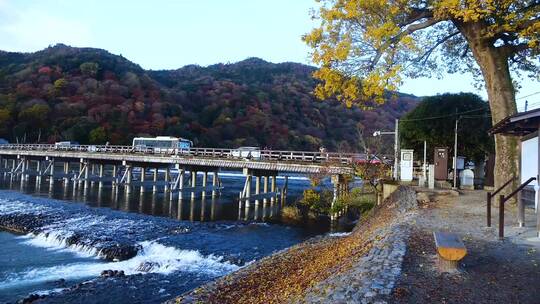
(181, 242)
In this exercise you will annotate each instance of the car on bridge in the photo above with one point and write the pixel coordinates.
(247, 153)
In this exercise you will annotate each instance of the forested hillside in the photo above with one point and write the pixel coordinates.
(92, 96)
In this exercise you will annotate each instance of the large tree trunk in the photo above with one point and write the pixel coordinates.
(493, 63)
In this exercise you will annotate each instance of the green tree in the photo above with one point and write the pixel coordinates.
(98, 136)
(37, 115)
(433, 120)
(60, 84)
(89, 69)
(5, 121)
(366, 46)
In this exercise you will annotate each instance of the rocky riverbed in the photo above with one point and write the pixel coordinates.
(105, 252)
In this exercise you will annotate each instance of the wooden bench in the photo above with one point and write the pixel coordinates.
(450, 250)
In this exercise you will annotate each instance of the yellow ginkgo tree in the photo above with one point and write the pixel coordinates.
(365, 47)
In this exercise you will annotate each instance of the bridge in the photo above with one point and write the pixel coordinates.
(127, 166)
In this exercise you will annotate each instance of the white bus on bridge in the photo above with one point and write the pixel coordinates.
(160, 144)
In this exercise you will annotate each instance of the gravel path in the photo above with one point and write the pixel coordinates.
(493, 271)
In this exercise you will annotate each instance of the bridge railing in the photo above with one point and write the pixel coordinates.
(266, 155)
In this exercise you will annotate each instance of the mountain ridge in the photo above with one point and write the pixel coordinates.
(91, 95)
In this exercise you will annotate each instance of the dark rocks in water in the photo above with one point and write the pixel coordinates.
(60, 283)
(33, 223)
(73, 239)
(31, 298)
(120, 252)
(147, 266)
(22, 223)
(112, 273)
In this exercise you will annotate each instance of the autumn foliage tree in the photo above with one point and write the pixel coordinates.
(365, 47)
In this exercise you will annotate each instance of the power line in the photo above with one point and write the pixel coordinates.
(443, 116)
(528, 95)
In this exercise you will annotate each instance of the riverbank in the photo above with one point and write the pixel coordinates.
(362, 265)
(390, 257)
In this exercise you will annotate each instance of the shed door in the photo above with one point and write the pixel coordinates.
(441, 163)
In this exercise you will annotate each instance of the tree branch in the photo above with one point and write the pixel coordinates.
(510, 49)
(428, 53)
(416, 15)
(409, 30)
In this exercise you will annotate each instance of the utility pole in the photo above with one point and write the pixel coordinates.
(396, 146)
(424, 165)
(396, 150)
(455, 154)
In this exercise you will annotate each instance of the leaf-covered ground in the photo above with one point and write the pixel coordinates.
(286, 276)
(492, 272)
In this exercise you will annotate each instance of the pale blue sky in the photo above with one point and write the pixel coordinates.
(170, 34)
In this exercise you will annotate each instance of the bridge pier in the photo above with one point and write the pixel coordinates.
(248, 195)
(193, 182)
(273, 190)
(129, 177)
(38, 168)
(51, 164)
(100, 174)
(66, 172)
(154, 186)
(204, 181)
(203, 208)
(114, 175)
(143, 178)
(167, 179)
(214, 183)
(23, 168)
(257, 188)
(340, 187)
(181, 181)
(265, 199)
(92, 173)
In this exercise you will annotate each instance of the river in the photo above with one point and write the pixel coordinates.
(163, 244)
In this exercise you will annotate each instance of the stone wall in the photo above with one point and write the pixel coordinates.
(360, 267)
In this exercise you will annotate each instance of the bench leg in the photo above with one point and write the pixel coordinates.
(445, 265)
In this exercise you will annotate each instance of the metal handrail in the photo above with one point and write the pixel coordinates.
(503, 199)
(304, 156)
(490, 195)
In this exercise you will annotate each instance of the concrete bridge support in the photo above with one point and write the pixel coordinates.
(182, 172)
(167, 179)
(204, 181)
(284, 191)
(100, 175)
(51, 164)
(273, 190)
(81, 167)
(143, 178)
(154, 187)
(128, 177)
(214, 183)
(193, 182)
(66, 172)
(340, 188)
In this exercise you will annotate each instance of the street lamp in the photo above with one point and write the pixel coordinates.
(396, 146)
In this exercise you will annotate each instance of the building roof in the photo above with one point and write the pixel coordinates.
(519, 124)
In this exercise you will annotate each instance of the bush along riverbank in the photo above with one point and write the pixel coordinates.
(315, 206)
(358, 267)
